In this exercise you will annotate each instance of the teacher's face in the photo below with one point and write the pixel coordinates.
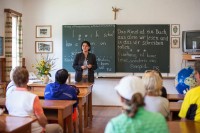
(85, 47)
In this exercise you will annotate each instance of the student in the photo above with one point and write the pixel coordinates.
(11, 86)
(135, 119)
(2, 125)
(59, 90)
(23, 103)
(163, 89)
(84, 64)
(153, 101)
(190, 108)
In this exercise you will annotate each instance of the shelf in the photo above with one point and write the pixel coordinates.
(190, 57)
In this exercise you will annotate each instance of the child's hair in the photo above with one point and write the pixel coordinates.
(61, 76)
(131, 106)
(20, 76)
(152, 82)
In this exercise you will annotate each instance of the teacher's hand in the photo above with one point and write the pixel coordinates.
(84, 67)
(89, 66)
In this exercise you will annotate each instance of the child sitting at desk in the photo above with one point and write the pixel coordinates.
(59, 90)
(135, 118)
(23, 103)
(153, 101)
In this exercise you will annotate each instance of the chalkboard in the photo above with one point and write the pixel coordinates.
(142, 47)
(101, 38)
(1, 46)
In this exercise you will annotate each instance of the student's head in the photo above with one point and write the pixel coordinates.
(131, 91)
(197, 70)
(61, 76)
(85, 45)
(20, 76)
(152, 82)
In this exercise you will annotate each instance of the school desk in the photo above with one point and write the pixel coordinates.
(60, 110)
(175, 97)
(174, 107)
(17, 124)
(85, 100)
(184, 126)
(81, 86)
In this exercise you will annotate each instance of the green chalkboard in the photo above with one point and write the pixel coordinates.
(101, 38)
(142, 47)
(1, 46)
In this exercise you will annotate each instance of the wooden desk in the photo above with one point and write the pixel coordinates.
(174, 107)
(88, 87)
(184, 126)
(60, 110)
(175, 97)
(85, 100)
(17, 124)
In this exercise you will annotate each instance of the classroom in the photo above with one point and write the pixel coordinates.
(60, 13)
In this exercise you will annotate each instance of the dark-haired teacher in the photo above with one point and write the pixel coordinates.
(84, 64)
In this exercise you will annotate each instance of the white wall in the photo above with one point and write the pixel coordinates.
(64, 12)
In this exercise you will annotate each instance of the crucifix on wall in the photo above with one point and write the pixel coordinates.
(115, 10)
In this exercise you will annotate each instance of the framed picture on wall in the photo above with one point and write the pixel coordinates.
(43, 47)
(175, 42)
(43, 31)
(175, 29)
(1, 47)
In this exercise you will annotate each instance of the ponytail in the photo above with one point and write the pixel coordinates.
(131, 106)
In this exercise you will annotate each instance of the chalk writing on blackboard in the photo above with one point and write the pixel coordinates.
(101, 38)
(139, 48)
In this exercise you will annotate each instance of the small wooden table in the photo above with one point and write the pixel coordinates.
(60, 110)
(17, 124)
(175, 97)
(184, 126)
(174, 107)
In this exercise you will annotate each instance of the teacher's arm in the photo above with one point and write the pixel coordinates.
(76, 64)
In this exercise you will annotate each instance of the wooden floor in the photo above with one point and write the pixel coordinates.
(101, 116)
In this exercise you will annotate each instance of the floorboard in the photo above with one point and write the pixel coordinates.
(101, 116)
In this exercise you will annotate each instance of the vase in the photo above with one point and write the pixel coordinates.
(45, 79)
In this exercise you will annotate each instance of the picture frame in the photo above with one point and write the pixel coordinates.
(175, 42)
(43, 47)
(1, 47)
(175, 29)
(43, 31)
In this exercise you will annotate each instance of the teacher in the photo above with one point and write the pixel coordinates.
(84, 64)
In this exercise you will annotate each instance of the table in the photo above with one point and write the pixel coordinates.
(174, 107)
(175, 97)
(17, 124)
(60, 110)
(184, 126)
(85, 100)
(88, 87)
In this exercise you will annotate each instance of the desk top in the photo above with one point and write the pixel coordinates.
(14, 123)
(79, 85)
(184, 126)
(175, 96)
(56, 104)
(48, 104)
(175, 106)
